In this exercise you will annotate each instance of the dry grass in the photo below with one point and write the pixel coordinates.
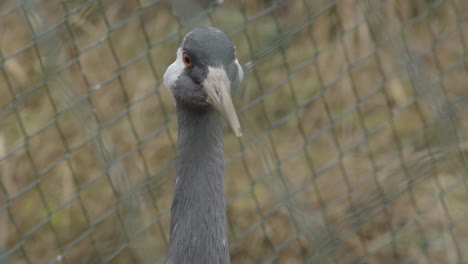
(332, 159)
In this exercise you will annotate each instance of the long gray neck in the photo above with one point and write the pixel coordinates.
(198, 212)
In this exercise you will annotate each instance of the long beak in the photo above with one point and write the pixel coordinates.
(218, 88)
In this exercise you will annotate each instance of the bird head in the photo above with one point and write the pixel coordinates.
(205, 72)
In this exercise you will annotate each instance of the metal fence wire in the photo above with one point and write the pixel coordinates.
(353, 111)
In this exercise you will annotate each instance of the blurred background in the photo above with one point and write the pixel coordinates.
(353, 111)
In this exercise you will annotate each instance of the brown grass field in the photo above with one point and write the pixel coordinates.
(353, 114)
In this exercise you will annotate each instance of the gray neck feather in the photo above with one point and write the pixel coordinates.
(198, 212)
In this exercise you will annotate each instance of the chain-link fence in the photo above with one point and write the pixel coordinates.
(353, 114)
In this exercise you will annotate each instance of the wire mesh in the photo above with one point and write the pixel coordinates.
(354, 146)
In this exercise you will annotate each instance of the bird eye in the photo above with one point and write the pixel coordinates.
(187, 60)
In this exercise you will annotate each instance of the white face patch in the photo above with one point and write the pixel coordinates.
(174, 71)
(240, 71)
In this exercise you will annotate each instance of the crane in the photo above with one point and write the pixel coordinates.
(201, 79)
